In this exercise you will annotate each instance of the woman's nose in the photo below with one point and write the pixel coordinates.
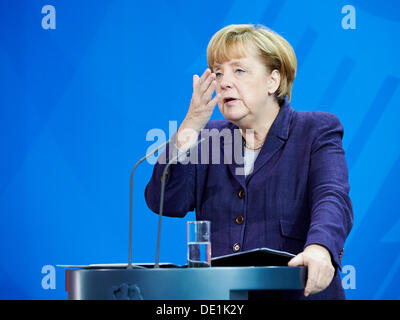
(225, 82)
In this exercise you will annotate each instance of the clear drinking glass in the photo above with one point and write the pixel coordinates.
(199, 244)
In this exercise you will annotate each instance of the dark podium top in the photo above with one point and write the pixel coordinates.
(169, 283)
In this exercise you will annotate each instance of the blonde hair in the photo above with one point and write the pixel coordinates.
(233, 42)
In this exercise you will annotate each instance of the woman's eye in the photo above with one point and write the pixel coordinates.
(218, 74)
(239, 71)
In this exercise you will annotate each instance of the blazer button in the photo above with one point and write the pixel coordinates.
(241, 194)
(236, 247)
(239, 219)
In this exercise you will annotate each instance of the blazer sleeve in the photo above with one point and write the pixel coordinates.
(179, 196)
(331, 207)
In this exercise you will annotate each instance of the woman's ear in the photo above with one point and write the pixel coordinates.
(274, 81)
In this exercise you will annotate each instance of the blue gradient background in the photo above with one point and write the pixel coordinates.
(76, 104)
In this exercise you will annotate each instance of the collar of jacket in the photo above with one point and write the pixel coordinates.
(276, 138)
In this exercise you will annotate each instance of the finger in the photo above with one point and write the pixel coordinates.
(311, 280)
(321, 282)
(213, 102)
(209, 92)
(324, 278)
(205, 74)
(196, 80)
(204, 85)
(200, 84)
(220, 101)
(206, 79)
(296, 261)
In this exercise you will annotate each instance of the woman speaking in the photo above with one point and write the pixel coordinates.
(292, 193)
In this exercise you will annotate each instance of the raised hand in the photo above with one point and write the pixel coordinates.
(201, 108)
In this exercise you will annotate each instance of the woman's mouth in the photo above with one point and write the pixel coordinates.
(230, 100)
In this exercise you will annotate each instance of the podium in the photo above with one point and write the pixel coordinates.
(177, 283)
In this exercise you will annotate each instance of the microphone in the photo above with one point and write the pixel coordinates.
(162, 196)
(130, 203)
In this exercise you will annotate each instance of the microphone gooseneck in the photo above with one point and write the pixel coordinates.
(130, 266)
(156, 265)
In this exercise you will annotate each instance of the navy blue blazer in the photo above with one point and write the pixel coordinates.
(296, 195)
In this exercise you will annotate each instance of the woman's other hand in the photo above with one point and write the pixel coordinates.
(320, 269)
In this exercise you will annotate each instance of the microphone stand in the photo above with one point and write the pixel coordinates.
(130, 266)
(156, 265)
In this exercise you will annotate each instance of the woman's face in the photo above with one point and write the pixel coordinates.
(243, 85)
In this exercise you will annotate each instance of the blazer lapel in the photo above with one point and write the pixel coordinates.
(276, 138)
(232, 149)
(233, 154)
